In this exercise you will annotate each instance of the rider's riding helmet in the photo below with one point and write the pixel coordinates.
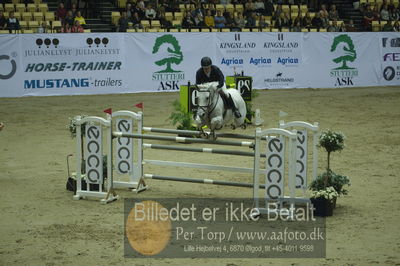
(206, 61)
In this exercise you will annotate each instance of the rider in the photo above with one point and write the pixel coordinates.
(208, 73)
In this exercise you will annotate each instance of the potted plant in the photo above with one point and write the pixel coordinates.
(182, 118)
(322, 201)
(250, 113)
(337, 181)
(322, 186)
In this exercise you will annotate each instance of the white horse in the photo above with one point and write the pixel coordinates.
(211, 110)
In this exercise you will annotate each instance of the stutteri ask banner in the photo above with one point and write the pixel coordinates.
(71, 64)
(163, 62)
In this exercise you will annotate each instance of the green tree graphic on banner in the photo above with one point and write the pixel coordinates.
(349, 53)
(175, 53)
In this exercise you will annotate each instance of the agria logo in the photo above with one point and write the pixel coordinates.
(168, 77)
(344, 50)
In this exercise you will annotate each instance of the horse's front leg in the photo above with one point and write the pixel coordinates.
(203, 134)
(216, 124)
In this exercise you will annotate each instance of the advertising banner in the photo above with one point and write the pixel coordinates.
(390, 59)
(103, 63)
(341, 60)
(272, 59)
(164, 61)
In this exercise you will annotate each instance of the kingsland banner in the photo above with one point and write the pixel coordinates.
(102, 63)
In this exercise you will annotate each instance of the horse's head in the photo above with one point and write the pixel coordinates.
(204, 96)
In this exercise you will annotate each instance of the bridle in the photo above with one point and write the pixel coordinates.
(209, 108)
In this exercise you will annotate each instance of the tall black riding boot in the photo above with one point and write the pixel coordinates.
(233, 106)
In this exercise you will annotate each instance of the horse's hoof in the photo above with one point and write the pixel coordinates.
(233, 127)
(213, 136)
(204, 135)
(243, 126)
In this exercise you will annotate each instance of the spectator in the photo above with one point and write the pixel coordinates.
(212, 9)
(141, 4)
(249, 8)
(324, 18)
(3, 20)
(199, 21)
(376, 12)
(388, 26)
(123, 22)
(66, 28)
(394, 14)
(136, 21)
(165, 24)
(240, 21)
(77, 28)
(356, 4)
(61, 12)
(296, 26)
(385, 13)
(128, 10)
(307, 20)
(368, 17)
(69, 18)
(391, 6)
(396, 26)
(188, 21)
(342, 27)
(219, 20)
(277, 13)
(333, 27)
(230, 22)
(209, 20)
(74, 9)
(280, 22)
(350, 27)
(298, 20)
(172, 6)
(287, 19)
(12, 23)
(324, 12)
(317, 21)
(252, 20)
(197, 11)
(80, 18)
(138, 10)
(42, 28)
(150, 13)
(333, 13)
(269, 8)
(262, 22)
(259, 7)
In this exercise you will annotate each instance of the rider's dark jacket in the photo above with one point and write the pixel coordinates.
(215, 75)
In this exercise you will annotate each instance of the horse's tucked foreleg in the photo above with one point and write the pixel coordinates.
(217, 123)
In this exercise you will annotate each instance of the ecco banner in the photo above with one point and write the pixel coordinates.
(100, 63)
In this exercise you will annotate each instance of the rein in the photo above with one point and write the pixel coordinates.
(215, 105)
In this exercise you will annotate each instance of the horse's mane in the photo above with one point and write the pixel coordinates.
(209, 85)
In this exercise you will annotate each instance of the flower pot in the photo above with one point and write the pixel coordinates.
(323, 207)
